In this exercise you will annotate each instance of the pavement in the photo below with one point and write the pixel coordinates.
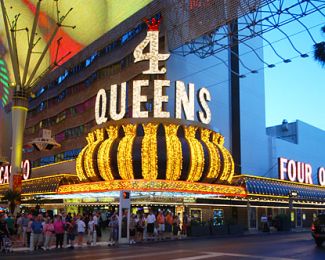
(18, 245)
(266, 246)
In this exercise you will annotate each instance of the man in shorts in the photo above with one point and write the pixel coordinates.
(161, 224)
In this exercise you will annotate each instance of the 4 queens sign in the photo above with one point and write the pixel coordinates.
(184, 96)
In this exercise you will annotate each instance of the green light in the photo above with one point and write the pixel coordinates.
(4, 102)
(6, 90)
(4, 82)
(4, 76)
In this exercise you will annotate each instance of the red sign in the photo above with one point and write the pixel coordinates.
(5, 171)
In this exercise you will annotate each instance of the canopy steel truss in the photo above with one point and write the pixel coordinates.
(252, 22)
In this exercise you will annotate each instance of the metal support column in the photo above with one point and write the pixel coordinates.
(235, 95)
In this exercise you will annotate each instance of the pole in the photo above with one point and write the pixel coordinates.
(235, 95)
(124, 218)
(19, 114)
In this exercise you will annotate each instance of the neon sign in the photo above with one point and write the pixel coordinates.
(296, 171)
(5, 172)
(184, 96)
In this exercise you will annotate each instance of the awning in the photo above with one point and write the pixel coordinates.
(43, 185)
(259, 186)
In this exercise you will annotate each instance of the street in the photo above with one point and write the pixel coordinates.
(264, 246)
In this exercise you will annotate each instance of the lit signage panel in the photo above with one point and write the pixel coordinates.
(184, 95)
(301, 172)
(5, 172)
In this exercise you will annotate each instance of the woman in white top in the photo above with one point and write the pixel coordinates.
(91, 227)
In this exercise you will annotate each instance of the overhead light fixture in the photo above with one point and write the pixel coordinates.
(45, 142)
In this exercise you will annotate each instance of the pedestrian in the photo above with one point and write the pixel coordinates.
(11, 225)
(28, 230)
(91, 228)
(98, 223)
(151, 219)
(72, 230)
(185, 224)
(48, 233)
(24, 223)
(161, 224)
(169, 224)
(68, 218)
(37, 230)
(132, 231)
(3, 226)
(59, 231)
(175, 227)
(139, 227)
(19, 227)
(81, 230)
(114, 225)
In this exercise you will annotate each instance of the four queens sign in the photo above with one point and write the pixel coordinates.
(184, 97)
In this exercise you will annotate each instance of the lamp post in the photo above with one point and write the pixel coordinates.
(24, 83)
(292, 196)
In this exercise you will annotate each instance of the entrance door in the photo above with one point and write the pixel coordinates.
(298, 218)
(252, 218)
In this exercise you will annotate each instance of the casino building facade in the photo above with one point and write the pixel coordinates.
(172, 163)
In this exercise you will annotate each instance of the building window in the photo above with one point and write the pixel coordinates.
(47, 160)
(218, 217)
(196, 215)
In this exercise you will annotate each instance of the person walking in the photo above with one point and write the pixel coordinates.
(91, 230)
(169, 224)
(24, 223)
(59, 231)
(48, 233)
(37, 230)
(72, 230)
(132, 225)
(19, 228)
(113, 225)
(161, 225)
(139, 220)
(151, 219)
(11, 225)
(81, 230)
(175, 226)
(28, 230)
(185, 224)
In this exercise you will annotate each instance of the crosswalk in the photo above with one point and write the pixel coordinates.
(138, 253)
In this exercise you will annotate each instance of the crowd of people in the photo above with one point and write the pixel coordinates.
(43, 231)
(159, 226)
(40, 232)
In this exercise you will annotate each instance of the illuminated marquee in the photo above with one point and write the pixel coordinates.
(5, 172)
(296, 171)
(184, 96)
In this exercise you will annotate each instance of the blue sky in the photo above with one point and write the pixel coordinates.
(295, 90)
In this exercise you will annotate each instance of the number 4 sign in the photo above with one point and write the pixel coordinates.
(153, 55)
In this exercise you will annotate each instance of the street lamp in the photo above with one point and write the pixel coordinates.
(292, 195)
(24, 84)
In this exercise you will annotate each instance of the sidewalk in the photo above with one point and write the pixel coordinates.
(18, 247)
